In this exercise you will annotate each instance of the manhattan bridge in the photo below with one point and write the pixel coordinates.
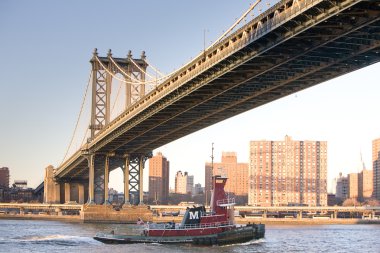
(293, 45)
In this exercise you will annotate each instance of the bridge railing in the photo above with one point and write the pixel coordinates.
(164, 226)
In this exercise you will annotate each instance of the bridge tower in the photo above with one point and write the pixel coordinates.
(100, 163)
(103, 70)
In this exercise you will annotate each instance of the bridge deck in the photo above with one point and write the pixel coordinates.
(292, 46)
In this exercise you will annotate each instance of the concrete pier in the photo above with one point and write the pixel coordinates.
(105, 213)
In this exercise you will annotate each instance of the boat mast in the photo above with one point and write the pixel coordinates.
(212, 156)
(212, 167)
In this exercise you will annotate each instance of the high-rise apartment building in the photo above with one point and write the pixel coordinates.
(376, 167)
(288, 173)
(341, 187)
(353, 185)
(237, 174)
(208, 182)
(198, 189)
(190, 184)
(4, 177)
(158, 179)
(184, 183)
(365, 184)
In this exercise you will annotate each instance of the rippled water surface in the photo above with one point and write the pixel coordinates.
(54, 236)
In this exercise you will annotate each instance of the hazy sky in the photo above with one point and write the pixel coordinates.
(45, 48)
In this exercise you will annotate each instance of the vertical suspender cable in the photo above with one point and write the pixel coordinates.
(79, 116)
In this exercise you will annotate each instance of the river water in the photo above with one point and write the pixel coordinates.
(55, 236)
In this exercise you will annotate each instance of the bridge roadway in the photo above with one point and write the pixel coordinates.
(292, 46)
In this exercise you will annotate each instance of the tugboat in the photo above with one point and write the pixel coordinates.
(198, 227)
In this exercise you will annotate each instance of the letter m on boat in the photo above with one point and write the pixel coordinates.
(194, 215)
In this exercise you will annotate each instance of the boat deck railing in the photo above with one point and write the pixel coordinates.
(171, 225)
(226, 202)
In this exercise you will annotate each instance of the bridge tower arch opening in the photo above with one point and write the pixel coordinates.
(116, 186)
(100, 166)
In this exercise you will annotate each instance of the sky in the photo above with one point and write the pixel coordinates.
(45, 48)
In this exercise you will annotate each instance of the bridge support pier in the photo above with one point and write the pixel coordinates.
(133, 178)
(51, 187)
(81, 193)
(98, 179)
(126, 182)
(67, 193)
(106, 179)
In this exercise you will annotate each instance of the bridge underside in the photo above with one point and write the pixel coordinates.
(308, 49)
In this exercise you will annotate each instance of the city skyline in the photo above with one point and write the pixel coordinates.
(43, 84)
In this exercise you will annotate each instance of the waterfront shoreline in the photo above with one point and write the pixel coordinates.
(268, 221)
(287, 221)
(67, 218)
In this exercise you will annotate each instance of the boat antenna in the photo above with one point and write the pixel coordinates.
(212, 155)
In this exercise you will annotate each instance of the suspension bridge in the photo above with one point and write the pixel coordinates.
(293, 45)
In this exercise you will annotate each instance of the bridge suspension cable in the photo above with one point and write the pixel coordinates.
(117, 97)
(236, 23)
(154, 81)
(156, 70)
(78, 119)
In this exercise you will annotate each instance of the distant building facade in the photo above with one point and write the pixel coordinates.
(4, 177)
(190, 184)
(376, 167)
(208, 182)
(198, 189)
(158, 179)
(353, 185)
(184, 183)
(331, 200)
(357, 186)
(237, 174)
(341, 188)
(21, 184)
(365, 184)
(288, 173)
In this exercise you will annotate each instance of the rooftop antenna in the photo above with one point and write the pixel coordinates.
(361, 159)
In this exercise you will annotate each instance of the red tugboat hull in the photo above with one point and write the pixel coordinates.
(230, 236)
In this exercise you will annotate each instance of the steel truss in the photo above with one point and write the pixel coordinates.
(132, 71)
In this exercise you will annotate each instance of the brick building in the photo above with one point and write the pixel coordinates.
(376, 167)
(4, 177)
(237, 174)
(288, 173)
(158, 179)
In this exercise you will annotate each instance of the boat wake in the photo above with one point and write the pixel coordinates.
(65, 240)
(252, 242)
(255, 241)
